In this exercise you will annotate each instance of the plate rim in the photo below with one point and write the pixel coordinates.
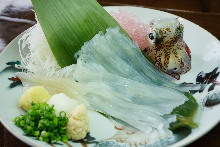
(179, 143)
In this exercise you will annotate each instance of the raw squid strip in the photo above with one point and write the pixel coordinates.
(144, 112)
(114, 77)
(117, 54)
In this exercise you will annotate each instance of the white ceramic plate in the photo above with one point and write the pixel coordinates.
(200, 42)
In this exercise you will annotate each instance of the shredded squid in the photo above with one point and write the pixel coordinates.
(113, 76)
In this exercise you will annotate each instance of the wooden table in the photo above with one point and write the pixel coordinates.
(15, 18)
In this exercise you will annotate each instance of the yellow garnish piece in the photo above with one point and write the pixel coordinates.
(78, 124)
(37, 94)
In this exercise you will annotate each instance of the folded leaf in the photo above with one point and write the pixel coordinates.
(67, 24)
(185, 114)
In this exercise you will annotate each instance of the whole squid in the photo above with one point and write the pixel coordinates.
(167, 49)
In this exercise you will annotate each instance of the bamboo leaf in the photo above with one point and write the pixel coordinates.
(67, 24)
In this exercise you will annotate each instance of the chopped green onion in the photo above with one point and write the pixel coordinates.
(36, 133)
(64, 138)
(44, 134)
(63, 114)
(22, 123)
(42, 123)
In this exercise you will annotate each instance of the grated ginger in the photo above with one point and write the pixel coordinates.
(78, 124)
(37, 94)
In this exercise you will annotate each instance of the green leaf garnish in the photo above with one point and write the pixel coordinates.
(185, 114)
(68, 24)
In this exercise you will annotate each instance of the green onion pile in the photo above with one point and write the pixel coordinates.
(42, 123)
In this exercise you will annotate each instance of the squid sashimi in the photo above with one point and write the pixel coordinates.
(128, 82)
(167, 48)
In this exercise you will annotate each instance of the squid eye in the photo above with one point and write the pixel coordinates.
(151, 36)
